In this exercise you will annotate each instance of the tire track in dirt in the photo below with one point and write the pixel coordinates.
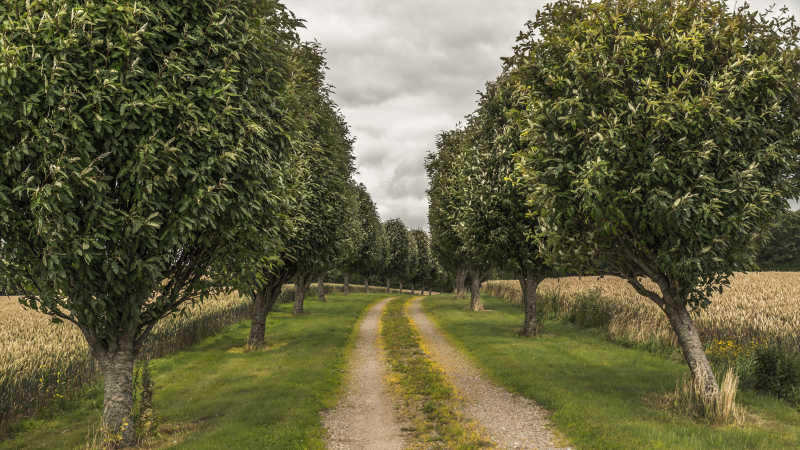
(365, 416)
(511, 421)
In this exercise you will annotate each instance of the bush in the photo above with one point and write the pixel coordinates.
(777, 371)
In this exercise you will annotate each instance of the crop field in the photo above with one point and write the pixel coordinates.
(761, 308)
(41, 362)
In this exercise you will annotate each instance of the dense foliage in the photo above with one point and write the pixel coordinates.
(370, 256)
(398, 251)
(782, 250)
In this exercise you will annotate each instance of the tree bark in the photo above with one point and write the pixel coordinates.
(264, 300)
(321, 287)
(388, 288)
(366, 285)
(692, 347)
(529, 285)
(117, 367)
(461, 278)
(346, 287)
(258, 320)
(475, 303)
(401, 287)
(299, 293)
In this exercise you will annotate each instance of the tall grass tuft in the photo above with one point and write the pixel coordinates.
(718, 410)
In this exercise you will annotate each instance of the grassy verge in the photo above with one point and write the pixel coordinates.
(602, 394)
(215, 395)
(429, 401)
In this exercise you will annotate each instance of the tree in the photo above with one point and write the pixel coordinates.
(782, 250)
(130, 158)
(365, 259)
(409, 275)
(442, 191)
(398, 245)
(424, 266)
(319, 173)
(661, 138)
(321, 241)
(256, 265)
(448, 194)
(493, 220)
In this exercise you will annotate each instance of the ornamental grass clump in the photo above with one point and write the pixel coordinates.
(689, 398)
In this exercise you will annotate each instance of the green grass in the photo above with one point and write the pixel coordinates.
(215, 395)
(429, 401)
(601, 394)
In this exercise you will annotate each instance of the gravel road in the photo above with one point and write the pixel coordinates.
(364, 417)
(512, 421)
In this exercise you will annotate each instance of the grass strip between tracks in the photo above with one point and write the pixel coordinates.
(429, 402)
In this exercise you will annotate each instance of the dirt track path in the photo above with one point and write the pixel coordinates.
(364, 418)
(512, 421)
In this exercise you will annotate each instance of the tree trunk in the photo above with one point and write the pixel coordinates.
(401, 287)
(529, 284)
(264, 300)
(117, 367)
(366, 285)
(299, 293)
(475, 303)
(321, 286)
(461, 278)
(388, 288)
(692, 347)
(258, 320)
(346, 287)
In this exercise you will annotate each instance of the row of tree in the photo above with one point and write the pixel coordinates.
(391, 254)
(648, 139)
(156, 153)
(364, 248)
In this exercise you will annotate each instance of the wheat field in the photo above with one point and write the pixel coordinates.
(760, 308)
(41, 361)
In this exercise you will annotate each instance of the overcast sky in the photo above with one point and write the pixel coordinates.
(406, 69)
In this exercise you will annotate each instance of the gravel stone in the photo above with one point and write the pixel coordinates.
(511, 421)
(365, 416)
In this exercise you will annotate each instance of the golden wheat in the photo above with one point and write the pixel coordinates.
(758, 308)
(41, 361)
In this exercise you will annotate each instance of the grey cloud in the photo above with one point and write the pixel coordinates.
(404, 70)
